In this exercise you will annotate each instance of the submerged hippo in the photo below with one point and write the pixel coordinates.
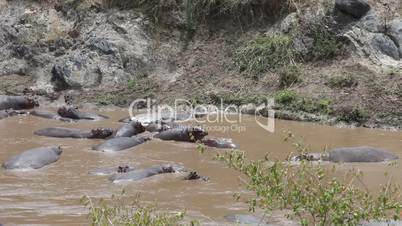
(187, 134)
(351, 154)
(74, 113)
(10, 113)
(224, 143)
(111, 170)
(246, 220)
(130, 129)
(140, 174)
(193, 175)
(49, 115)
(17, 102)
(34, 158)
(120, 143)
(99, 133)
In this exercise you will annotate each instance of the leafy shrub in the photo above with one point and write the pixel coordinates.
(264, 53)
(119, 212)
(285, 97)
(325, 43)
(290, 100)
(313, 197)
(289, 75)
(352, 114)
(346, 80)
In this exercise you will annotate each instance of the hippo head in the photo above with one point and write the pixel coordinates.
(197, 133)
(31, 103)
(68, 112)
(123, 169)
(168, 168)
(57, 150)
(307, 157)
(101, 133)
(137, 126)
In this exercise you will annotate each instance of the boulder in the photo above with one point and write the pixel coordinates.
(355, 8)
(395, 33)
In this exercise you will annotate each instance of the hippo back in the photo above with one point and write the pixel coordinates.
(34, 158)
(137, 174)
(359, 154)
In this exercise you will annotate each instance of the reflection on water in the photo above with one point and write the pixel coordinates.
(51, 195)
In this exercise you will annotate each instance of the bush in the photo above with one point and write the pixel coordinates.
(263, 54)
(346, 80)
(290, 100)
(285, 97)
(352, 114)
(119, 212)
(312, 196)
(289, 75)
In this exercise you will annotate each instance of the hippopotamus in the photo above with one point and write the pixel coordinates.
(9, 113)
(140, 174)
(349, 154)
(130, 129)
(17, 102)
(34, 158)
(193, 175)
(224, 143)
(111, 170)
(160, 126)
(187, 134)
(49, 115)
(74, 113)
(245, 220)
(120, 143)
(99, 133)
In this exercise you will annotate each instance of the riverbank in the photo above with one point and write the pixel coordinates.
(319, 62)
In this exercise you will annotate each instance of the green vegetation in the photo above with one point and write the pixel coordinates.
(310, 193)
(346, 80)
(131, 84)
(351, 114)
(290, 100)
(264, 53)
(290, 75)
(285, 96)
(325, 45)
(118, 211)
(105, 99)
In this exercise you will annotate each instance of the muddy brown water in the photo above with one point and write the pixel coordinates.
(51, 195)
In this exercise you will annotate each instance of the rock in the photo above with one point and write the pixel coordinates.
(395, 33)
(354, 8)
(382, 223)
(385, 45)
(372, 23)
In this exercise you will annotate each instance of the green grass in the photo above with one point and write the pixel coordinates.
(290, 100)
(290, 75)
(355, 113)
(312, 196)
(263, 54)
(346, 80)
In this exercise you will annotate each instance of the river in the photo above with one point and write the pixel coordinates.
(51, 195)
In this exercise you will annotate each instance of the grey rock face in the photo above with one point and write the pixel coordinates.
(354, 8)
(395, 33)
(69, 48)
(385, 45)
